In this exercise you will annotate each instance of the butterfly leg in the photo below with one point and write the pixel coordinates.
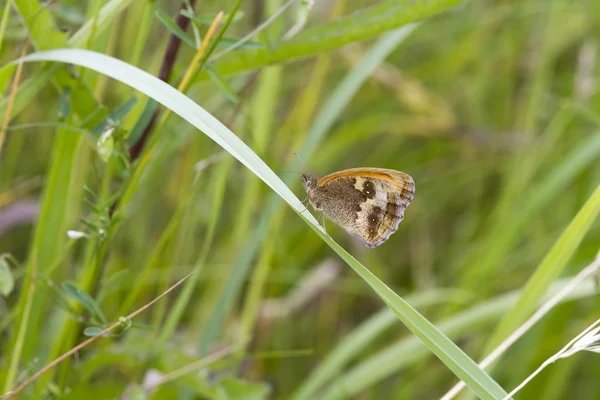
(305, 205)
(323, 222)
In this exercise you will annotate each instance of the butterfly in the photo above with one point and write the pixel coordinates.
(367, 202)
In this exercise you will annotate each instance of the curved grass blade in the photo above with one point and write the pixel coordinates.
(454, 358)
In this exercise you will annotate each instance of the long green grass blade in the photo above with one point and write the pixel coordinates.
(454, 358)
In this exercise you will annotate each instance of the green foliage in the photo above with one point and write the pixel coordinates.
(172, 26)
(489, 107)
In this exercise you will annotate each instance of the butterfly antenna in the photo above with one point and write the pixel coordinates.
(287, 170)
(301, 162)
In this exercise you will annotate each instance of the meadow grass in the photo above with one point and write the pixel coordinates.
(150, 139)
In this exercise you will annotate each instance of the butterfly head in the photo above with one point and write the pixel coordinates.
(309, 182)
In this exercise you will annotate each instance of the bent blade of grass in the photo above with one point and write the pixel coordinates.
(454, 358)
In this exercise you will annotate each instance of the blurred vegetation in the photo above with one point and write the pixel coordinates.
(491, 106)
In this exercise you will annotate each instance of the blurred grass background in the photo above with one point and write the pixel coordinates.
(491, 106)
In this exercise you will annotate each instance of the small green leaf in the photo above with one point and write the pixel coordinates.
(236, 389)
(207, 19)
(222, 84)
(85, 300)
(7, 282)
(89, 191)
(121, 112)
(174, 28)
(115, 117)
(64, 109)
(90, 224)
(94, 331)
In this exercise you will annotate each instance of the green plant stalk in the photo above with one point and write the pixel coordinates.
(217, 38)
(100, 82)
(543, 72)
(96, 15)
(153, 259)
(187, 189)
(5, 14)
(133, 182)
(49, 237)
(17, 346)
(68, 330)
(143, 31)
(254, 298)
(11, 155)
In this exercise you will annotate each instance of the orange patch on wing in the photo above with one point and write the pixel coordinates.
(402, 182)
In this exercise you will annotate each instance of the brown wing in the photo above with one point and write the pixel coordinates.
(402, 182)
(386, 192)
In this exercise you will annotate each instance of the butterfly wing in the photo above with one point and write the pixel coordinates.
(386, 194)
